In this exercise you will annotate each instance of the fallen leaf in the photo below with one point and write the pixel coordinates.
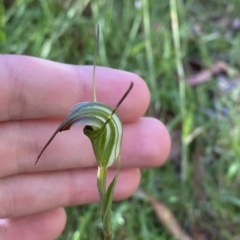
(165, 216)
(205, 75)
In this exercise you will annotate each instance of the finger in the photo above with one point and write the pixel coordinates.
(41, 226)
(30, 193)
(37, 88)
(146, 143)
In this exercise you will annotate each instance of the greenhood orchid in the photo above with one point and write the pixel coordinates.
(104, 129)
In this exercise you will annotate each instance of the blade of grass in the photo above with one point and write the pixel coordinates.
(131, 37)
(99, 19)
(150, 56)
(2, 23)
(182, 87)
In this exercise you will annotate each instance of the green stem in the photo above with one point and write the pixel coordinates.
(101, 183)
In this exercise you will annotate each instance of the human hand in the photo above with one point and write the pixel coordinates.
(35, 96)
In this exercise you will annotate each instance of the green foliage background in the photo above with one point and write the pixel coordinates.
(200, 182)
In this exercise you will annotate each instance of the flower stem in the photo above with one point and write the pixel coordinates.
(101, 183)
(106, 208)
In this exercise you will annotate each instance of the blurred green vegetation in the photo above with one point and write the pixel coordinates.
(200, 182)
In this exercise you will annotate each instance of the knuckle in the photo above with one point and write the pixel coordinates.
(13, 90)
(7, 203)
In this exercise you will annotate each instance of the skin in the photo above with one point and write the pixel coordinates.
(35, 96)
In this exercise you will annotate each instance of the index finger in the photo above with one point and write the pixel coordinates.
(35, 88)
